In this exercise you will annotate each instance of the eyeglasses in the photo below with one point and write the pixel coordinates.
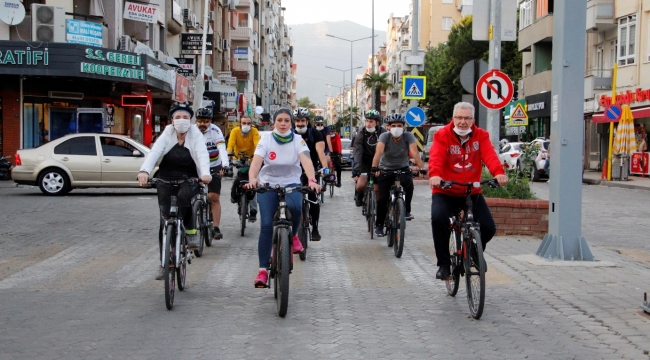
(465, 118)
(202, 120)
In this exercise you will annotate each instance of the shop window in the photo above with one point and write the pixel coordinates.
(1, 128)
(35, 126)
(627, 40)
(82, 145)
(116, 147)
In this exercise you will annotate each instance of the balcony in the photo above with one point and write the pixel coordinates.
(243, 33)
(537, 83)
(244, 3)
(244, 65)
(597, 79)
(540, 30)
(600, 16)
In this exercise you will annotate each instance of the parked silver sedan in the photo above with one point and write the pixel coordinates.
(81, 161)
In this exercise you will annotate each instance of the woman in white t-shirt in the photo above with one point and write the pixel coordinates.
(282, 153)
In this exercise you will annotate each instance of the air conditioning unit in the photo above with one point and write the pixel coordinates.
(211, 16)
(187, 15)
(226, 46)
(268, 31)
(126, 43)
(160, 56)
(233, 4)
(225, 3)
(192, 23)
(65, 95)
(48, 23)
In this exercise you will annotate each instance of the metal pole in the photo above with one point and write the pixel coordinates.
(494, 116)
(372, 91)
(351, 83)
(611, 125)
(415, 37)
(564, 240)
(199, 83)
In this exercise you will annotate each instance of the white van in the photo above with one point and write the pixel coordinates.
(427, 146)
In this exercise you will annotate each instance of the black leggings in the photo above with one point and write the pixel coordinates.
(385, 183)
(443, 207)
(336, 160)
(314, 209)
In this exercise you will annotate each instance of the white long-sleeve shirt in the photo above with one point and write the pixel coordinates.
(193, 142)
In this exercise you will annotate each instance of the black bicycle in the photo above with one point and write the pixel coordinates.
(281, 262)
(175, 254)
(203, 215)
(304, 232)
(466, 250)
(243, 164)
(369, 209)
(395, 222)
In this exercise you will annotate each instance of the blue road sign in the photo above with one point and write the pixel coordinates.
(413, 87)
(415, 116)
(613, 113)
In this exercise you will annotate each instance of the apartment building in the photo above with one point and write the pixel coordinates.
(437, 18)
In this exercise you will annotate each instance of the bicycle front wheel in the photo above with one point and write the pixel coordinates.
(201, 226)
(207, 215)
(331, 190)
(452, 284)
(243, 212)
(475, 274)
(168, 266)
(181, 269)
(399, 220)
(282, 271)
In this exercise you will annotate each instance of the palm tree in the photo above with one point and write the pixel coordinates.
(378, 82)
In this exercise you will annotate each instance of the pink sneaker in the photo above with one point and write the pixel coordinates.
(262, 279)
(297, 245)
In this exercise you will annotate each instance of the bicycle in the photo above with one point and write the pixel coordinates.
(395, 222)
(281, 262)
(243, 164)
(369, 209)
(203, 211)
(466, 251)
(175, 254)
(304, 233)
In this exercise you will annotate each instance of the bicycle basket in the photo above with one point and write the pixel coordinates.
(330, 178)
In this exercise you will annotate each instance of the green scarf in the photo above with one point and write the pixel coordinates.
(283, 139)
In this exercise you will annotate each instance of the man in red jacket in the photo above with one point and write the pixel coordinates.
(337, 150)
(457, 153)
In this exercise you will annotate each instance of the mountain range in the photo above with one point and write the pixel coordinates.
(313, 50)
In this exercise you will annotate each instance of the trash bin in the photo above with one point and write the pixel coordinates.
(620, 166)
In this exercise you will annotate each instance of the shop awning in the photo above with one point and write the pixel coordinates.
(600, 118)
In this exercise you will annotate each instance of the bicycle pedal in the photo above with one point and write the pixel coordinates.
(261, 286)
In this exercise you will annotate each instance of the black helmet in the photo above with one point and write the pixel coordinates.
(319, 119)
(181, 106)
(395, 118)
(204, 113)
(373, 114)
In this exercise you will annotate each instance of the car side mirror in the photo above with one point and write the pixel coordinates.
(137, 153)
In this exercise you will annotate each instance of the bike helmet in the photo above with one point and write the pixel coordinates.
(319, 119)
(373, 114)
(178, 106)
(395, 118)
(204, 113)
(300, 113)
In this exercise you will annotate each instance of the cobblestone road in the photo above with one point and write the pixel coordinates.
(76, 281)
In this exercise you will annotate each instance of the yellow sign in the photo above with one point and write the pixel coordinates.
(518, 116)
(419, 138)
(490, 32)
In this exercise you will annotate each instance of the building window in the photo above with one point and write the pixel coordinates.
(525, 14)
(627, 40)
(446, 23)
(447, 1)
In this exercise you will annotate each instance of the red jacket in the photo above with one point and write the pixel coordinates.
(451, 161)
(336, 142)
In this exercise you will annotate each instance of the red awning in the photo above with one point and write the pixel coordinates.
(600, 118)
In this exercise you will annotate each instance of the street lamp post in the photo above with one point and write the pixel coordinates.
(351, 81)
(343, 72)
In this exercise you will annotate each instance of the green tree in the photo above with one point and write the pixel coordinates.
(306, 103)
(443, 63)
(380, 83)
(345, 116)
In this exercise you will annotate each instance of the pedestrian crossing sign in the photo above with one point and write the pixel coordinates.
(518, 117)
(414, 87)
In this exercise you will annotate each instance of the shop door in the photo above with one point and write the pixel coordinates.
(63, 121)
(91, 121)
(1, 128)
(119, 164)
(79, 156)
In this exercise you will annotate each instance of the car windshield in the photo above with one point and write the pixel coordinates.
(547, 144)
(346, 144)
(516, 146)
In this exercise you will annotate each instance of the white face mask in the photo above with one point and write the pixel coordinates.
(301, 130)
(245, 129)
(462, 132)
(286, 133)
(182, 125)
(319, 128)
(396, 132)
(370, 130)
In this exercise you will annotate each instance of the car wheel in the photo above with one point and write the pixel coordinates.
(54, 182)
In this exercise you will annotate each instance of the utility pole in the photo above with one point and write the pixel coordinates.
(564, 240)
(415, 38)
(493, 125)
(199, 83)
(372, 91)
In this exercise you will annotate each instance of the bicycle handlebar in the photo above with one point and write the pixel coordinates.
(282, 190)
(399, 171)
(188, 181)
(493, 183)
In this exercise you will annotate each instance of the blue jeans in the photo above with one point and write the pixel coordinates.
(268, 203)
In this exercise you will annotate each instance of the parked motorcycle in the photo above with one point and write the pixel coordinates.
(5, 168)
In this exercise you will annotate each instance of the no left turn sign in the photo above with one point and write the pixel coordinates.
(494, 90)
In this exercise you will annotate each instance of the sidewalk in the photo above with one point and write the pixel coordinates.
(633, 182)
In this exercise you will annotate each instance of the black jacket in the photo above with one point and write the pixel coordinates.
(364, 145)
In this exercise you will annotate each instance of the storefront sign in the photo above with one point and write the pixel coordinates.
(628, 97)
(24, 57)
(536, 106)
(539, 105)
(177, 12)
(241, 53)
(223, 74)
(109, 115)
(83, 32)
(148, 13)
(187, 66)
(164, 75)
(182, 89)
(639, 163)
(231, 81)
(232, 115)
(191, 44)
(109, 70)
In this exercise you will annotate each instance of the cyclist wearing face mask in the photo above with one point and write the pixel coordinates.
(216, 145)
(365, 143)
(243, 138)
(319, 123)
(392, 154)
(183, 154)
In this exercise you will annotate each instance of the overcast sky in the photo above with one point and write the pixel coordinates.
(358, 11)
